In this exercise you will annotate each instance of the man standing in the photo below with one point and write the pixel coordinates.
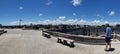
(108, 37)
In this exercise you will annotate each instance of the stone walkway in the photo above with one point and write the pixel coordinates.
(18, 41)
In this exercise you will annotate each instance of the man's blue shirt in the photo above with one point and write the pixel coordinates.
(108, 31)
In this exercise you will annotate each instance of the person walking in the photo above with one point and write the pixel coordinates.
(108, 37)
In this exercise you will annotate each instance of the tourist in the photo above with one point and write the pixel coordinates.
(108, 37)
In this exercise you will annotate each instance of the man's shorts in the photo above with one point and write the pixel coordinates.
(107, 39)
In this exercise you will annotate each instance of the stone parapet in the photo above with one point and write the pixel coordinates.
(118, 37)
(78, 38)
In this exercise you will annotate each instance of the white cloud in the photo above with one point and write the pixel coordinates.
(111, 13)
(49, 2)
(14, 23)
(22, 23)
(21, 8)
(100, 16)
(71, 21)
(74, 14)
(62, 20)
(106, 22)
(76, 2)
(62, 17)
(96, 22)
(40, 14)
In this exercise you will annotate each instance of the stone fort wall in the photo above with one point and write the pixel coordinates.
(89, 31)
(78, 38)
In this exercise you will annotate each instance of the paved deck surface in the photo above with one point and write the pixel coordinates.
(18, 41)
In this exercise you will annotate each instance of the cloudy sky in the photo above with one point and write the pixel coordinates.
(90, 12)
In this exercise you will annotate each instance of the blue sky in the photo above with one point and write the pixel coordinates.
(91, 12)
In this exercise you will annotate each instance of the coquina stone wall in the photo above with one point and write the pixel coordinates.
(118, 37)
(78, 38)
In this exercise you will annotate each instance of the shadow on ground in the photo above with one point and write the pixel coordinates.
(110, 49)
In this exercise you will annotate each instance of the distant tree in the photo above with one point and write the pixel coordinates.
(0, 25)
(118, 25)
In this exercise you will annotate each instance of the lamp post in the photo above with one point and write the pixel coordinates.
(20, 20)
